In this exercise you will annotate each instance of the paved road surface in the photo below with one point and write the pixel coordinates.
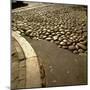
(61, 66)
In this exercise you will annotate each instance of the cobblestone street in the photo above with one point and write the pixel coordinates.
(65, 25)
(54, 38)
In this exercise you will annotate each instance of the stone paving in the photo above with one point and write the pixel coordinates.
(64, 25)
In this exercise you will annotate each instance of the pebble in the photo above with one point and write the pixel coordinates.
(84, 42)
(75, 51)
(71, 47)
(71, 38)
(68, 33)
(61, 26)
(48, 38)
(81, 39)
(47, 33)
(82, 54)
(48, 30)
(64, 40)
(44, 37)
(74, 37)
(53, 34)
(20, 24)
(31, 35)
(55, 37)
(60, 39)
(14, 28)
(77, 47)
(80, 50)
(62, 43)
(82, 46)
(34, 37)
(28, 32)
(61, 30)
(18, 32)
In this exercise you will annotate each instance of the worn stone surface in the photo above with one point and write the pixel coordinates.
(65, 23)
(18, 71)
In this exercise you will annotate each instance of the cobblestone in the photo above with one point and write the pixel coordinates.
(68, 22)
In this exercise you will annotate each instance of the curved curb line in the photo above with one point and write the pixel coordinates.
(32, 67)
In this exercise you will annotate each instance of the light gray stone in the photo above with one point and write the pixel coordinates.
(55, 37)
(82, 46)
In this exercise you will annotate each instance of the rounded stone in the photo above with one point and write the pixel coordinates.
(83, 42)
(62, 26)
(60, 39)
(75, 51)
(49, 38)
(71, 47)
(43, 32)
(31, 34)
(60, 29)
(47, 33)
(81, 39)
(44, 37)
(65, 40)
(82, 46)
(14, 28)
(80, 50)
(28, 32)
(59, 46)
(18, 32)
(68, 33)
(74, 37)
(55, 37)
(71, 38)
(62, 43)
(82, 54)
(62, 32)
(77, 47)
(34, 37)
(53, 34)
(48, 30)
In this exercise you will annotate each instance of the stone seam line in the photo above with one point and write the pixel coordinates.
(32, 66)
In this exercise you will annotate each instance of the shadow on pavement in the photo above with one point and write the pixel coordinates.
(18, 4)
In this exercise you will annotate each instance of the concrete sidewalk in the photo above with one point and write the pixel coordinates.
(61, 66)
